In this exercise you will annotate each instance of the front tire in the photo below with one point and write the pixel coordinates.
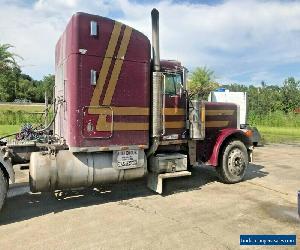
(233, 162)
(3, 188)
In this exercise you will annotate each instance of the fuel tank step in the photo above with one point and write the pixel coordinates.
(155, 180)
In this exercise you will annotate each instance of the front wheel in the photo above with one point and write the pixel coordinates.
(3, 188)
(233, 162)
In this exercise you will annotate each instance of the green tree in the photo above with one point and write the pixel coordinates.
(236, 87)
(290, 94)
(28, 88)
(9, 73)
(201, 83)
(48, 84)
(7, 58)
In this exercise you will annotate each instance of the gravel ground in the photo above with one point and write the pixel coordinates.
(196, 212)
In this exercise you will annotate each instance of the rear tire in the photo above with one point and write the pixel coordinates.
(3, 188)
(233, 162)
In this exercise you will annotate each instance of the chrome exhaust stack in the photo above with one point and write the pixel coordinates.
(156, 77)
(156, 88)
(155, 40)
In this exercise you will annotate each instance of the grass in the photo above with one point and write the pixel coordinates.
(19, 117)
(8, 129)
(25, 107)
(279, 134)
(18, 114)
(277, 127)
(13, 116)
(275, 119)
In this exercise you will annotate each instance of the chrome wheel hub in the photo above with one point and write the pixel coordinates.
(236, 163)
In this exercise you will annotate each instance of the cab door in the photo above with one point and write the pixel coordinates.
(174, 106)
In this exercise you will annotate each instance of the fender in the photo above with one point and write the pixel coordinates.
(222, 137)
(6, 164)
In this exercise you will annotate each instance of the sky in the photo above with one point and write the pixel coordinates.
(242, 41)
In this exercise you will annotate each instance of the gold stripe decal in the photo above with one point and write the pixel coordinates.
(117, 67)
(213, 112)
(131, 126)
(104, 126)
(216, 124)
(106, 109)
(177, 124)
(174, 111)
(105, 65)
(119, 126)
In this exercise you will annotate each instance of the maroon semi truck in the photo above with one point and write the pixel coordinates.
(120, 114)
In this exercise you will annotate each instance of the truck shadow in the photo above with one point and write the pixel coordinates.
(255, 171)
(204, 175)
(28, 205)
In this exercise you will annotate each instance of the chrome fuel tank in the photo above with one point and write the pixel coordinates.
(67, 170)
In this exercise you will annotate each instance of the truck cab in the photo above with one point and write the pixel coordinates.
(122, 113)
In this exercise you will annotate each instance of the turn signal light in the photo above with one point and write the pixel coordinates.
(248, 133)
